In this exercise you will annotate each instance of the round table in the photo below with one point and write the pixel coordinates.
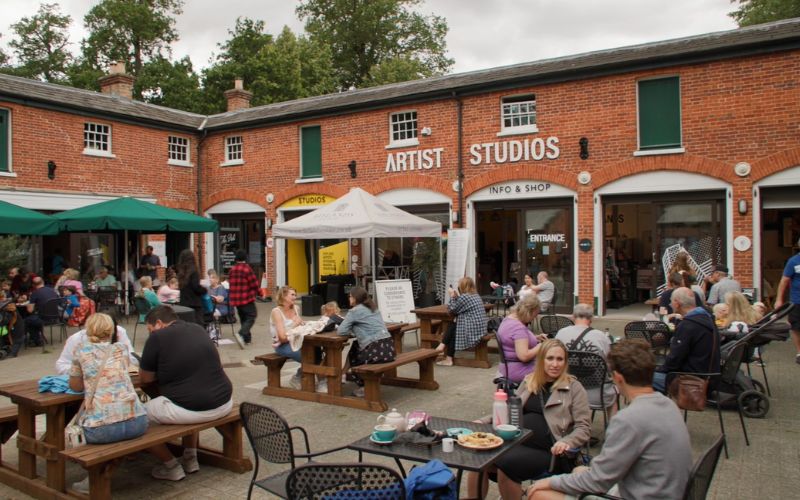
(183, 312)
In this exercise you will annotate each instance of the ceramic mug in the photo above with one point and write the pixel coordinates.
(448, 444)
(384, 432)
(507, 431)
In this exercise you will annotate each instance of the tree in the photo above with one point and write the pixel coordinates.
(14, 252)
(41, 43)
(171, 84)
(273, 69)
(132, 31)
(364, 34)
(763, 11)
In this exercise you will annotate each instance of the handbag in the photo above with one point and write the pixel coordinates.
(73, 433)
(690, 392)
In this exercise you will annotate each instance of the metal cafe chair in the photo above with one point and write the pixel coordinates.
(337, 480)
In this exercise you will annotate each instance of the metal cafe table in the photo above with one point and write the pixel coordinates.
(461, 459)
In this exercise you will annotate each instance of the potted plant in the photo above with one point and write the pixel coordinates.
(425, 266)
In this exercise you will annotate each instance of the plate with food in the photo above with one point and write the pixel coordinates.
(480, 441)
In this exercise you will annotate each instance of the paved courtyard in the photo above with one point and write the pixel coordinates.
(765, 469)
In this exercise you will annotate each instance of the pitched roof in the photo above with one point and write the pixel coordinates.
(35, 92)
(780, 35)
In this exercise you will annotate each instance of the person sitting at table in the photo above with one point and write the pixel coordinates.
(739, 318)
(527, 287)
(104, 278)
(555, 408)
(331, 311)
(112, 410)
(169, 293)
(283, 318)
(545, 289)
(518, 343)
(146, 292)
(40, 295)
(373, 344)
(218, 294)
(470, 321)
(71, 278)
(194, 387)
(77, 339)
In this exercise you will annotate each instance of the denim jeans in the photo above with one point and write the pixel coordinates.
(247, 315)
(119, 431)
(286, 350)
(660, 382)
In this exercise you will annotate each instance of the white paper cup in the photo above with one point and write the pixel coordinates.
(447, 445)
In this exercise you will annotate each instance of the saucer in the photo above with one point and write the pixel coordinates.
(457, 431)
(378, 441)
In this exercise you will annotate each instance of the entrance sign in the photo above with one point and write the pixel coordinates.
(395, 300)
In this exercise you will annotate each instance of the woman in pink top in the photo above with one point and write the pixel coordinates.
(169, 293)
(519, 344)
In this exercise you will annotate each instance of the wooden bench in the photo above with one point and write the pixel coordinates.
(100, 460)
(386, 373)
(481, 350)
(274, 363)
(8, 424)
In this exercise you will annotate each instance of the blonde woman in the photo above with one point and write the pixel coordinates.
(146, 292)
(555, 407)
(740, 315)
(112, 410)
(282, 319)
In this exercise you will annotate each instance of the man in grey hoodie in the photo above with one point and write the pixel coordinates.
(647, 454)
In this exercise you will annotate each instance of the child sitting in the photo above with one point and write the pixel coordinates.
(334, 314)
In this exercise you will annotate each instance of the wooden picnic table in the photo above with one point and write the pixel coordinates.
(430, 336)
(30, 402)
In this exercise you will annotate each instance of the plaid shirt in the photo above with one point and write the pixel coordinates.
(243, 285)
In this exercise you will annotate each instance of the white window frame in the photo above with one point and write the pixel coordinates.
(229, 144)
(173, 145)
(407, 142)
(519, 99)
(91, 151)
(10, 158)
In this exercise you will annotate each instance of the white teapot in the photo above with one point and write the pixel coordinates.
(394, 418)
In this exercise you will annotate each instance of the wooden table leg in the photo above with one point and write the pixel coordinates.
(309, 383)
(425, 332)
(333, 358)
(56, 469)
(27, 429)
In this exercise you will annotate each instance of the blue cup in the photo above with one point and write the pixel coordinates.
(507, 431)
(384, 432)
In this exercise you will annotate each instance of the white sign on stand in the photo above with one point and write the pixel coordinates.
(395, 300)
(457, 241)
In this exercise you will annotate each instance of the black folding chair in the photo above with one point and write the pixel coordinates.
(592, 372)
(107, 299)
(52, 314)
(141, 306)
(316, 481)
(656, 333)
(551, 324)
(271, 439)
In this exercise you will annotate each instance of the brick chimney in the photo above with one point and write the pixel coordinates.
(117, 82)
(238, 97)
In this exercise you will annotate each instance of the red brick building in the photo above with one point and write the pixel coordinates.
(596, 168)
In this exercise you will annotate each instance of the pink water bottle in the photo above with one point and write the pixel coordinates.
(499, 409)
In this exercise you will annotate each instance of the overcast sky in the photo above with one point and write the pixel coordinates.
(483, 33)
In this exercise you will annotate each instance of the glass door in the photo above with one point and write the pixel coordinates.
(547, 237)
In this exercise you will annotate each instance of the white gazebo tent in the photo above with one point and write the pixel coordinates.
(357, 214)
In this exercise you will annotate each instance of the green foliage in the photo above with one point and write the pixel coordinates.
(763, 11)
(14, 252)
(273, 69)
(132, 31)
(171, 84)
(426, 261)
(41, 43)
(364, 35)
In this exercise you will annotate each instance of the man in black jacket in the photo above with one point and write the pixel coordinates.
(695, 346)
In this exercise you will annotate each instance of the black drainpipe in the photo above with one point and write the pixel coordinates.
(460, 163)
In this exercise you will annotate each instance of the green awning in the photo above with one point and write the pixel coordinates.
(135, 215)
(18, 220)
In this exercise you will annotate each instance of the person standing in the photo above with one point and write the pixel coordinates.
(191, 291)
(149, 263)
(546, 290)
(791, 281)
(242, 292)
(722, 285)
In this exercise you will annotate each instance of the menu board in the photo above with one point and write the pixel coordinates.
(395, 300)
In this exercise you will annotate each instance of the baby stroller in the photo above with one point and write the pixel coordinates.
(750, 394)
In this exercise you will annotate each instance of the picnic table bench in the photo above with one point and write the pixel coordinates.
(100, 460)
(8, 425)
(386, 373)
(435, 320)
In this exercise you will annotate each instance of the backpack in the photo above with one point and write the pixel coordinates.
(431, 481)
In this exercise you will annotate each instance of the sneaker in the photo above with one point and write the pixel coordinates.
(82, 486)
(445, 362)
(358, 392)
(174, 473)
(322, 386)
(190, 464)
(296, 382)
(239, 340)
